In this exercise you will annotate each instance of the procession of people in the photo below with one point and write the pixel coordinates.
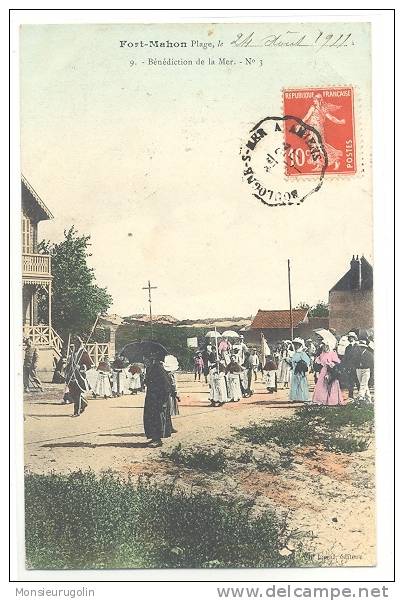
(342, 370)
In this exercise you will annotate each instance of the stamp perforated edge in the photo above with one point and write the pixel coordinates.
(357, 111)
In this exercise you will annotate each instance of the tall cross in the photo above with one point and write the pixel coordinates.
(149, 287)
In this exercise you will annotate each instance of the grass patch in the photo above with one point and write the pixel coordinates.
(81, 521)
(353, 414)
(198, 458)
(343, 429)
(346, 444)
(275, 463)
(214, 460)
(245, 457)
(284, 432)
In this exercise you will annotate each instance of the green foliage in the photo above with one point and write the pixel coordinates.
(199, 458)
(284, 432)
(173, 338)
(76, 299)
(275, 463)
(246, 456)
(81, 521)
(215, 460)
(346, 444)
(343, 429)
(321, 309)
(357, 413)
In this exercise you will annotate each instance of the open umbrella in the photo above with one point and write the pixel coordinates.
(230, 334)
(138, 352)
(213, 334)
(327, 336)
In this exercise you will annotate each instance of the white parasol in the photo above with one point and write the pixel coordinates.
(230, 334)
(328, 337)
(213, 334)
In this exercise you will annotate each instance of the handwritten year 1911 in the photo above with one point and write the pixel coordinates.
(294, 39)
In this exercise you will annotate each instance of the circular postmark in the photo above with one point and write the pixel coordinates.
(268, 161)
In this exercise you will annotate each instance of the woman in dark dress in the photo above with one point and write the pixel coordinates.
(156, 415)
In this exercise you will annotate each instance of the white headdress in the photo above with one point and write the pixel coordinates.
(170, 363)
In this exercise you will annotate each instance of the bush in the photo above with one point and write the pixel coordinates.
(353, 414)
(81, 521)
(275, 463)
(346, 444)
(285, 432)
(246, 456)
(330, 427)
(206, 460)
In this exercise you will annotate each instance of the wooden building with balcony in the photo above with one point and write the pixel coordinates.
(36, 277)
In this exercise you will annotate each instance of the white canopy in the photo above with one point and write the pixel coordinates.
(328, 337)
(230, 334)
(213, 334)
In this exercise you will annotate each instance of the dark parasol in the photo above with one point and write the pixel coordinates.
(141, 352)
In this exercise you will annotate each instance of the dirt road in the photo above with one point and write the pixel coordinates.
(328, 497)
(110, 434)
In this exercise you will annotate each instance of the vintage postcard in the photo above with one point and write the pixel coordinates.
(197, 295)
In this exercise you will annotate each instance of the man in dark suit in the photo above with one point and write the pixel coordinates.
(349, 363)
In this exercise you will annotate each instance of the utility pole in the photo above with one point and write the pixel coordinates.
(149, 287)
(290, 304)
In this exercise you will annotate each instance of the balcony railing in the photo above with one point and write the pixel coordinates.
(44, 336)
(99, 351)
(36, 265)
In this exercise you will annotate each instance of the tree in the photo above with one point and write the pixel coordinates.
(303, 305)
(76, 298)
(319, 310)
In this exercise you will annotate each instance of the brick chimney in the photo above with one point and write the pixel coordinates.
(355, 273)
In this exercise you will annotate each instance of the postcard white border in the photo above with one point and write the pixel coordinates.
(382, 40)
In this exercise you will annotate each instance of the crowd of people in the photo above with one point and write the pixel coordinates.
(339, 365)
(230, 368)
(120, 377)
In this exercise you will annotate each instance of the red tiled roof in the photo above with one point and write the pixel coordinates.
(277, 319)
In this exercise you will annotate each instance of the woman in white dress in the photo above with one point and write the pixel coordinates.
(102, 386)
(285, 362)
(270, 375)
(135, 378)
(217, 383)
(233, 373)
(119, 376)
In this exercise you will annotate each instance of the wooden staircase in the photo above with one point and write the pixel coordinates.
(49, 345)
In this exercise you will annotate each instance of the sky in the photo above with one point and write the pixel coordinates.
(146, 159)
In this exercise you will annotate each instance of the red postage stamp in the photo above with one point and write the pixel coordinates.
(330, 112)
